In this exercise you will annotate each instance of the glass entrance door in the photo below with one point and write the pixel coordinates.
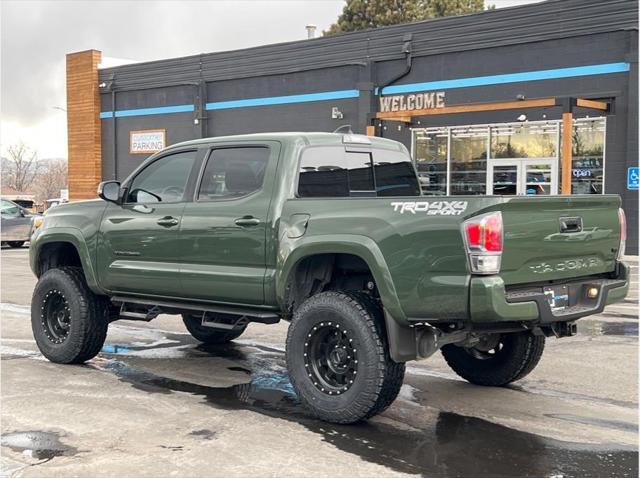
(523, 176)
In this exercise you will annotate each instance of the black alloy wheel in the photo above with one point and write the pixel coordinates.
(330, 358)
(56, 316)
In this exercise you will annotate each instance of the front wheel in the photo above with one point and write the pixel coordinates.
(15, 244)
(338, 359)
(498, 359)
(69, 322)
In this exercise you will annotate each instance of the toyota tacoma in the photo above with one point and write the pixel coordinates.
(331, 233)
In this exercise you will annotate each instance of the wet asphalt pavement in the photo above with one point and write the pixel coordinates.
(157, 403)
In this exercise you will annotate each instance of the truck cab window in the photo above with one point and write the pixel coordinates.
(164, 180)
(332, 172)
(233, 172)
(395, 174)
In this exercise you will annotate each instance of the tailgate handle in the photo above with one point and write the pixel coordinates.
(570, 224)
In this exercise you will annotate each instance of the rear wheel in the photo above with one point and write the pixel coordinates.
(498, 359)
(209, 335)
(69, 321)
(15, 244)
(338, 359)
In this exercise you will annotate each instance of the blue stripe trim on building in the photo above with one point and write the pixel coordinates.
(601, 69)
(149, 111)
(283, 100)
(509, 78)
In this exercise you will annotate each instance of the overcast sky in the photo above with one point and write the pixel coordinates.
(36, 35)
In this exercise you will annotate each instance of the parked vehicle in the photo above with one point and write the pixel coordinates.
(16, 225)
(329, 232)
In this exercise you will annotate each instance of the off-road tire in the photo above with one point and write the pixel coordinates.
(15, 244)
(378, 378)
(519, 355)
(88, 316)
(209, 335)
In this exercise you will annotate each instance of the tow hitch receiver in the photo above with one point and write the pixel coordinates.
(563, 329)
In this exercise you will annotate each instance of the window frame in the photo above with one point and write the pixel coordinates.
(208, 157)
(126, 187)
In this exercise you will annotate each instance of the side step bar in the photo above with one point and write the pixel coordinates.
(156, 307)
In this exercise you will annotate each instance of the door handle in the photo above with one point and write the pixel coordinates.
(168, 221)
(247, 221)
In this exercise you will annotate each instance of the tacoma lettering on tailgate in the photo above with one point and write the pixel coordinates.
(568, 265)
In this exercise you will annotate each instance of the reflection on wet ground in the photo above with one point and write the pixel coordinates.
(592, 327)
(453, 445)
(37, 444)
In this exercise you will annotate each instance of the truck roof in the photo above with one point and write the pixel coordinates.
(311, 138)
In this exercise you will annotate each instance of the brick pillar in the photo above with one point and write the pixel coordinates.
(83, 124)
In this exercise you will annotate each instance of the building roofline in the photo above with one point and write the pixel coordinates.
(551, 19)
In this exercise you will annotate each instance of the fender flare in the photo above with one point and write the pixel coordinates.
(361, 246)
(72, 236)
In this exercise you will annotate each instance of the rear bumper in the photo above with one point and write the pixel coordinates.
(491, 302)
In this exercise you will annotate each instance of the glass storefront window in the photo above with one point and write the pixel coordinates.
(524, 140)
(431, 160)
(469, 160)
(587, 171)
(534, 147)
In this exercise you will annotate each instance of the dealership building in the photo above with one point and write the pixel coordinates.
(534, 99)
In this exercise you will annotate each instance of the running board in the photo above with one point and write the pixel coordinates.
(174, 307)
(146, 316)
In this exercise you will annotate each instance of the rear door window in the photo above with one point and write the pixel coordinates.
(233, 172)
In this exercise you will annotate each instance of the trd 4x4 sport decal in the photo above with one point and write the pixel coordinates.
(431, 208)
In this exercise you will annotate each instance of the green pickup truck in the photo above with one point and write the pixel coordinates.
(331, 233)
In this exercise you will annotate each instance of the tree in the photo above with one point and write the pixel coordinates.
(50, 180)
(362, 14)
(22, 167)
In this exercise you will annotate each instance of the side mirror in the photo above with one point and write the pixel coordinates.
(109, 191)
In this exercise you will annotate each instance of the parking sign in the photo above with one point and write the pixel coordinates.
(633, 178)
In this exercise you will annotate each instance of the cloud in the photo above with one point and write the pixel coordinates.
(36, 35)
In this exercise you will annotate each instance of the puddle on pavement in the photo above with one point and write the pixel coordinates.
(591, 327)
(454, 445)
(204, 434)
(36, 444)
(600, 422)
(115, 349)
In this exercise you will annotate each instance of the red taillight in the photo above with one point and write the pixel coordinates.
(623, 232)
(484, 233)
(474, 235)
(483, 240)
(493, 233)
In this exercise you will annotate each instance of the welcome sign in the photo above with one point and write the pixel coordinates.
(414, 101)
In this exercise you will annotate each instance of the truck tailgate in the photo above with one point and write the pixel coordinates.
(553, 238)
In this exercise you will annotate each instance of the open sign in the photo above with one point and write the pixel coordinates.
(582, 173)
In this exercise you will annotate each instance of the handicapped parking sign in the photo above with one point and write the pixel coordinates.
(633, 178)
